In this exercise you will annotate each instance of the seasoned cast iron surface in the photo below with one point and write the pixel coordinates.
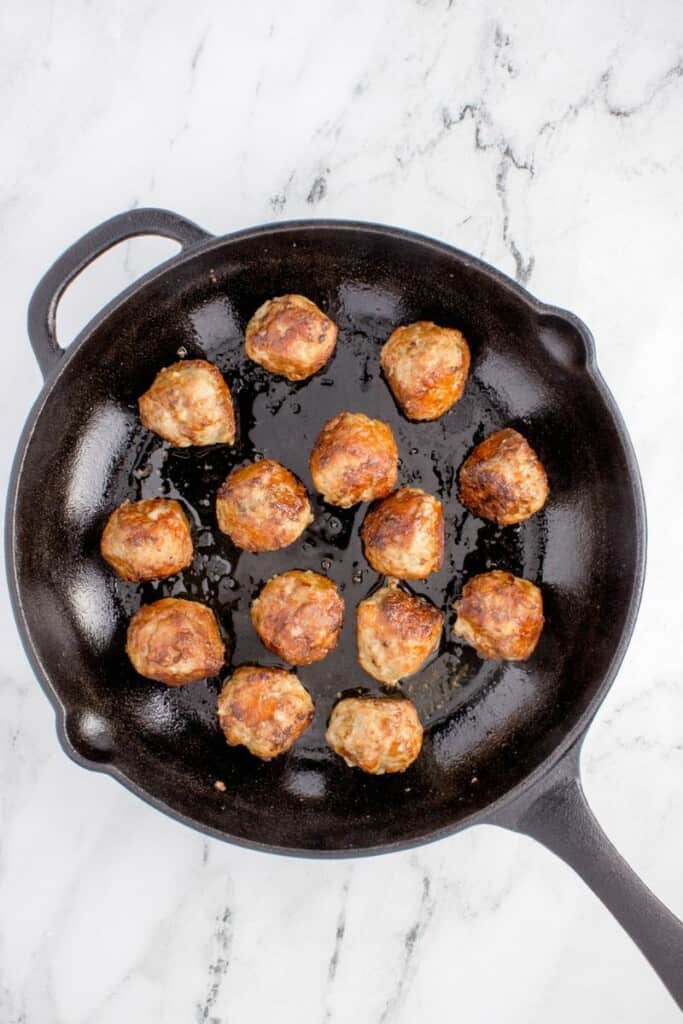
(487, 723)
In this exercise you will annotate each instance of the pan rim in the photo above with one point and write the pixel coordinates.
(574, 735)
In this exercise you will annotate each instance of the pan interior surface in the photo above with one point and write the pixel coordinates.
(487, 724)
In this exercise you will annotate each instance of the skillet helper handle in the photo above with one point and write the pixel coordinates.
(42, 310)
(562, 821)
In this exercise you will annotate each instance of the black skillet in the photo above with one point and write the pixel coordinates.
(502, 740)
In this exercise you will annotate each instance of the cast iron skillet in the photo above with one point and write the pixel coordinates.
(502, 740)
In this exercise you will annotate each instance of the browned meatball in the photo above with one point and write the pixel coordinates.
(263, 507)
(396, 633)
(503, 479)
(264, 710)
(189, 403)
(500, 615)
(376, 734)
(175, 642)
(426, 367)
(354, 459)
(291, 336)
(403, 535)
(147, 540)
(299, 615)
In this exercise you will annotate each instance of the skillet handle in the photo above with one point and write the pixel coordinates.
(42, 309)
(562, 821)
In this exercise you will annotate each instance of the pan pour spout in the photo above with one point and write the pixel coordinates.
(501, 739)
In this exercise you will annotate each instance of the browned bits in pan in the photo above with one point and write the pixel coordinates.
(298, 616)
(263, 507)
(264, 710)
(189, 403)
(354, 459)
(500, 615)
(175, 642)
(379, 735)
(396, 633)
(503, 479)
(403, 535)
(147, 540)
(289, 335)
(426, 367)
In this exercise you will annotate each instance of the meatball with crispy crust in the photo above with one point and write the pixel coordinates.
(263, 507)
(298, 616)
(376, 734)
(175, 642)
(189, 403)
(503, 479)
(396, 633)
(426, 367)
(500, 615)
(290, 336)
(147, 540)
(264, 710)
(403, 535)
(354, 459)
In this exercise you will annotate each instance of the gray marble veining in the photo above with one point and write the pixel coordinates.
(546, 139)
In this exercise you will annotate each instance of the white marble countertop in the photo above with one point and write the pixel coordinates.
(545, 138)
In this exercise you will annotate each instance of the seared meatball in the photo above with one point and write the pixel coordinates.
(291, 336)
(147, 540)
(396, 633)
(263, 507)
(500, 615)
(354, 459)
(175, 642)
(403, 535)
(299, 615)
(189, 403)
(376, 734)
(503, 479)
(426, 367)
(264, 710)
